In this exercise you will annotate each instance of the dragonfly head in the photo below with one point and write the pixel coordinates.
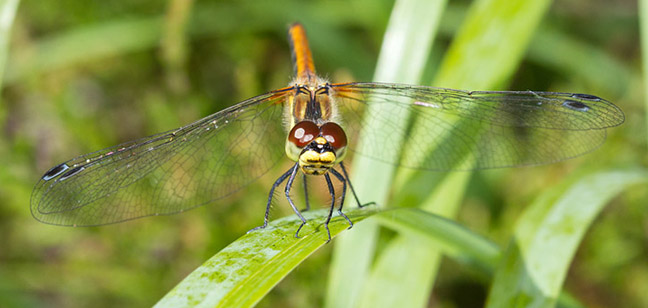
(316, 148)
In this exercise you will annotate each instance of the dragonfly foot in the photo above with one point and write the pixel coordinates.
(328, 232)
(257, 228)
(347, 219)
(299, 229)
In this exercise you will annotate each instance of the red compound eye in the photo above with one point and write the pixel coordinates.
(303, 133)
(334, 134)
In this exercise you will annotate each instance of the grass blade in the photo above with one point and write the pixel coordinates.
(393, 281)
(484, 54)
(453, 238)
(574, 57)
(643, 23)
(7, 13)
(86, 45)
(243, 272)
(547, 235)
(490, 44)
(405, 49)
(564, 52)
(174, 44)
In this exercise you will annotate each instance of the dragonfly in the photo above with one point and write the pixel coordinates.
(315, 124)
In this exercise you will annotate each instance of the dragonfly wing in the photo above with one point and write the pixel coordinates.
(168, 172)
(459, 130)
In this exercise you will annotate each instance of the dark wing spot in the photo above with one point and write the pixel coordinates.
(586, 96)
(56, 170)
(70, 173)
(575, 105)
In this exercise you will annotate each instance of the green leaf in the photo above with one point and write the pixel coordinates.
(393, 281)
(406, 45)
(7, 14)
(486, 51)
(574, 57)
(243, 272)
(86, 45)
(567, 53)
(643, 22)
(490, 44)
(548, 234)
(451, 237)
(91, 43)
(427, 230)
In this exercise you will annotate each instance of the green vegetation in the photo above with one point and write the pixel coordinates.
(81, 76)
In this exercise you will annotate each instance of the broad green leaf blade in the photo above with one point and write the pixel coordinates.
(94, 42)
(85, 45)
(490, 44)
(427, 230)
(548, 234)
(452, 238)
(409, 283)
(574, 57)
(643, 22)
(460, 243)
(243, 272)
(487, 49)
(174, 44)
(564, 52)
(7, 13)
(405, 49)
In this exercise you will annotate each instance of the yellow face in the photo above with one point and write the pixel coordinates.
(317, 149)
(314, 162)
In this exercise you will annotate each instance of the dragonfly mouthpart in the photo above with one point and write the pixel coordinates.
(317, 157)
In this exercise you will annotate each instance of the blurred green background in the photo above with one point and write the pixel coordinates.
(85, 75)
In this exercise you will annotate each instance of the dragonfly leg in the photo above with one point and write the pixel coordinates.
(291, 179)
(346, 175)
(344, 188)
(306, 194)
(271, 195)
(332, 191)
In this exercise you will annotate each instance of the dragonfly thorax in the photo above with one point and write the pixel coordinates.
(310, 102)
(316, 148)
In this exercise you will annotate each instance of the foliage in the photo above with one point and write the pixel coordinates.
(80, 76)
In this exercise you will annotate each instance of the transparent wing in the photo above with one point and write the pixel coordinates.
(168, 172)
(493, 129)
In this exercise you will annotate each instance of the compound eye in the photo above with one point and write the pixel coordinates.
(334, 134)
(303, 133)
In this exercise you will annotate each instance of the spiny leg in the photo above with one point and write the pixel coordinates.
(344, 187)
(346, 175)
(306, 194)
(332, 191)
(291, 179)
(274, 186)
